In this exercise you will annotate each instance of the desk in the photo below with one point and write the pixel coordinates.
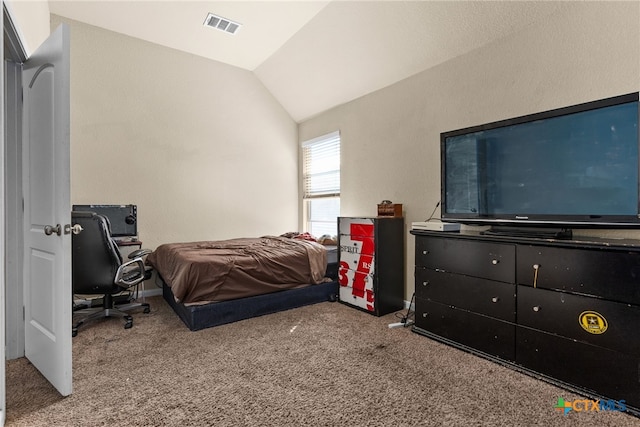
(127, 246)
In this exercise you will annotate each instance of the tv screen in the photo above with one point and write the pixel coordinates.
(571, 167)
(122, 218)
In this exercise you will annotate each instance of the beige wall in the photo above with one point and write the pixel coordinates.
(31, 19)
(206, 152)
(201, 147)
(390, 138)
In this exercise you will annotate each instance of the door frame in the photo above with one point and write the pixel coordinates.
(11, 215)
(3, 393)
(12, 148)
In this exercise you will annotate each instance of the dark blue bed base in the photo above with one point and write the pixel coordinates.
(198, 317)
(213, 314)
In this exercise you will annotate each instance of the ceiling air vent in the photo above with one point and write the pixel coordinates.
(222, 24)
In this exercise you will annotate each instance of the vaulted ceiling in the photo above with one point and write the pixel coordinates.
(315, 55)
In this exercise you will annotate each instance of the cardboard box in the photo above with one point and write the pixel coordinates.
(390, 209)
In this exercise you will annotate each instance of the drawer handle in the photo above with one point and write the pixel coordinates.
(425, 314)
(425, 252)
(425, 283)
(495, 299)
(495, 261)
(536, 308)
(536, 267)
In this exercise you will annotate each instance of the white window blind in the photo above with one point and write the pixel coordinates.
(321, 184)
(321, 166)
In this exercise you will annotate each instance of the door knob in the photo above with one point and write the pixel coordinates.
(75, 229)
(50, 229)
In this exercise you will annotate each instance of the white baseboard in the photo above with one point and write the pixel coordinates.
(151, 292)
(406, 305)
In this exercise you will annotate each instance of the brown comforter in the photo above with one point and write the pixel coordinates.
(200, 272)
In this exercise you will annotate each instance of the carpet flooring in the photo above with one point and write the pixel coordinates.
(321, 365)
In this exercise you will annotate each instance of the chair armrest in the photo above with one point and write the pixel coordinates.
(120, 280)
(139, 253)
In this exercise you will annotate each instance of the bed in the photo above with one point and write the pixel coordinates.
(210, 283)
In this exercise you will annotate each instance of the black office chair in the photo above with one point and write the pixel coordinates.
(97, 268)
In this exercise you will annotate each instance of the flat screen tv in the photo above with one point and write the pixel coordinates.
(571, 167)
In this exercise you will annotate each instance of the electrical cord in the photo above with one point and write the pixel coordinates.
(433, 212)
(409, 315)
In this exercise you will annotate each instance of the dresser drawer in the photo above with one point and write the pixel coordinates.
(357, 262)
(489, 260)
(612, 275)
(488, 335)
(488, 297)
(357, 252)
(362, 298)
(610, 373)
(595, 321)
(355, 279)
(356, 226)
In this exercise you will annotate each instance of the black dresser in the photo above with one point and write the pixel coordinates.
(568, 310)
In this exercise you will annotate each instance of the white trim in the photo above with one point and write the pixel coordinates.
(13, 220)
(3, 393)
(12, 37)
(406, 305)
(144, 293)
(151, 292)
(334, 134)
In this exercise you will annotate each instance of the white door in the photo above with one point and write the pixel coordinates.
(47, 210)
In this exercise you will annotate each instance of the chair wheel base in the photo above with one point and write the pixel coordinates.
(128, 322)
(119, 312)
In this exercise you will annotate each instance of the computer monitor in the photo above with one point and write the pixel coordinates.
(123, 218)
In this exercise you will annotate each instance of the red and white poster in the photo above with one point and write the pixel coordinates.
(357, 262)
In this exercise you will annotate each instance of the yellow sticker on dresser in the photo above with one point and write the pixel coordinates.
(593, 322)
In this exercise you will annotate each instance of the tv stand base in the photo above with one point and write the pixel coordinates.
(568, 310)
(532, 232)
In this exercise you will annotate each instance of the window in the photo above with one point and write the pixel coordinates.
(321, 184)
